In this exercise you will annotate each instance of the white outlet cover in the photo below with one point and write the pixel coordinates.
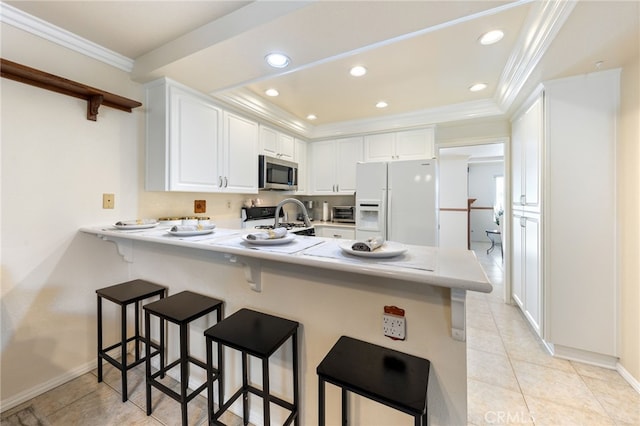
(394, 326)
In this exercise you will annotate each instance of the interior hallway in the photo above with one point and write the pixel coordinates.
(511, 379)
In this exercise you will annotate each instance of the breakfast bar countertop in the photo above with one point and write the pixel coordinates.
(443, 267)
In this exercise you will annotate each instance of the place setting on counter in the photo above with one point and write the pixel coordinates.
(375, 250)
(188, 228)
(278, 240)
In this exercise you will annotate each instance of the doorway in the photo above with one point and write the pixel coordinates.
(473, 183)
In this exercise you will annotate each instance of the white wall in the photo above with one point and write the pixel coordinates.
(629, 211)
(452, 199)
(482, 188)
(55, 166)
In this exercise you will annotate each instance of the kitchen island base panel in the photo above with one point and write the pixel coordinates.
(329, 303)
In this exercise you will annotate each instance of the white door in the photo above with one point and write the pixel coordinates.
(349, 152)
(241, 155)
(322, 158)
(532, 286)
(195, 138)
(412, 189)
(371, 197)
(517, 265)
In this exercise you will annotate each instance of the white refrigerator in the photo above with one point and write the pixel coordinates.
(398, 201)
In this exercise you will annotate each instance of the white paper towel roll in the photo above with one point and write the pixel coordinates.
(325, 211)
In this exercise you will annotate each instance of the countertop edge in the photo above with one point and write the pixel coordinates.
(391, 272)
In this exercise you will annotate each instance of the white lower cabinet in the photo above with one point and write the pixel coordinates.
(526, 268)
(336, 232)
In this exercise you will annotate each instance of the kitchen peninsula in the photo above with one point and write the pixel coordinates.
(331, 294)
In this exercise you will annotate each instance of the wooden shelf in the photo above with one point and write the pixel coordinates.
(94, 97)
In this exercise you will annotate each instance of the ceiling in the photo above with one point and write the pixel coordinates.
(421, 56)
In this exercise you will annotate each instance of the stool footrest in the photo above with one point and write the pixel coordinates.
(175, 395)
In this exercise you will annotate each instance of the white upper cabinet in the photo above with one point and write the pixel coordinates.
(406, 145)
(192, 145)
(183, 139)
(526, 146)
(240, 167)
(333, 165)
(303, 168)
(276, 144)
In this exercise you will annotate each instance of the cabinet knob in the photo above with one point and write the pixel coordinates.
(220, 181)
(226, 182)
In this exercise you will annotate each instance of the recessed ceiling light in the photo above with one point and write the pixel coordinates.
(491, 37)
(382, 104)
(277, 60)
(358, 71)
(311, 117)
(478, 87)
(271, 92)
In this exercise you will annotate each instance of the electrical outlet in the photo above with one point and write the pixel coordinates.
(393, 323)
(228, 204)
(200, 206)
(108, 201)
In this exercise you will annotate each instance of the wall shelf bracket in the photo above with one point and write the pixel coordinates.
(94, 97)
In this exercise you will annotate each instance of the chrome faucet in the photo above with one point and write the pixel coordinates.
(305, 215)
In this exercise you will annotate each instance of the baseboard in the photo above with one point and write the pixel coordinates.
(635, 383)
(572, 354)
(24, 396)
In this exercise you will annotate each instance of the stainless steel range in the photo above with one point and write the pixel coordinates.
(264, 218)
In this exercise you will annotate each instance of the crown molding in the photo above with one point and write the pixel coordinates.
(29, 23)
(543, 24)
(246, 101)
(426, 117)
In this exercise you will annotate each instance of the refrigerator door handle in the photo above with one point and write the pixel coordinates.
(386, 208)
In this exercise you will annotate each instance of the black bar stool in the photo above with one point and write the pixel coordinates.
(181, 309)
(392, 378)
(125, 294)
(259, 335)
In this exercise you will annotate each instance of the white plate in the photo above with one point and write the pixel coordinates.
(135, 224)
(190, 233)
(388, 249)
(272, 242)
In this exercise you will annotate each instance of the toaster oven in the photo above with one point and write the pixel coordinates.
(345, 214)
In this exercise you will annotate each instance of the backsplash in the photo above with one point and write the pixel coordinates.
(227, 206)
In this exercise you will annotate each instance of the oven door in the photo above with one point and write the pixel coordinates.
(277, 174)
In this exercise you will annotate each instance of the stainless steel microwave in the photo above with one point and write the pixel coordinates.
(274, 173)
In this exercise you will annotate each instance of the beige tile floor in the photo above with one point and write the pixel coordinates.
(85, 402)
(511, 380)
